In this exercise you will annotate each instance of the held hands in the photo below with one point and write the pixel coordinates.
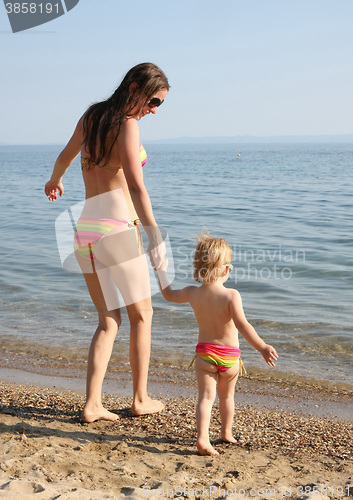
(156, 254)
(164, 265)
(51, 190)
(269, 354)
(162, 275)
(156, 248)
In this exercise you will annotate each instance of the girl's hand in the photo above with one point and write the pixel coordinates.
(51, 190)
(269, 354)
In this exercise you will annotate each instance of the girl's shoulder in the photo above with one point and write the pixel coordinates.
(233, 298)
(233, 293)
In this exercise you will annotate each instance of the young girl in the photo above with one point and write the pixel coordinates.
(219, 313)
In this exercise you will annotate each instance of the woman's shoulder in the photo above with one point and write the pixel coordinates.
(129, 132)
(129, 125)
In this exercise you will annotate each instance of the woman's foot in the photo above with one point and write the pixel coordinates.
(101, 414)
(228, 438)
(205, 448)
(147, 407)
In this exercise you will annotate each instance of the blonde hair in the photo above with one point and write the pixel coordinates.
(210, 256)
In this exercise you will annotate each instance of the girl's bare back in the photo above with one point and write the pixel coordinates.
(211, 305)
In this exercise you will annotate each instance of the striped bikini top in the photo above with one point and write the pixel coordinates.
(88, 164)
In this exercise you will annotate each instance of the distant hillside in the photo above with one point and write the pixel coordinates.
(348, 138)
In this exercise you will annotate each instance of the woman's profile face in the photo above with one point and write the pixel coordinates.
(151, 106)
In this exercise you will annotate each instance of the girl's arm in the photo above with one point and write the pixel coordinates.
(179, 296)
(64, 160)
(248, 331)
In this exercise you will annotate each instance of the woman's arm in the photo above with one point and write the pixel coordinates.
(64, 160)
(129, 146)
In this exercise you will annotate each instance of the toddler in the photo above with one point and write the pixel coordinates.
(219, 314)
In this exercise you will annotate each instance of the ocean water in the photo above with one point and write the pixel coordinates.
(286, 210)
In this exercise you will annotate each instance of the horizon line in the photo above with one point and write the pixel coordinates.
(244, 138)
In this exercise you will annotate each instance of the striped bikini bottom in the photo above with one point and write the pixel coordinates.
(223, 356)
(90, 231)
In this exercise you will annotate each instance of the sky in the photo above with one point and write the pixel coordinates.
(236, 67)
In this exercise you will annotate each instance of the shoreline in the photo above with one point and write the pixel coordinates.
(48, 453)
(71, 361)
(250, 391)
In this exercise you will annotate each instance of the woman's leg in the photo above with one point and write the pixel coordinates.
(140, 316)
(121, 264)
(130, 273)
(225, 390)
(99, 353)
(206, 374)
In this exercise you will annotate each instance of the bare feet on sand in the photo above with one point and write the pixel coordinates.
(205, 448)
(228, 438)
(102, 414)
(147, 407)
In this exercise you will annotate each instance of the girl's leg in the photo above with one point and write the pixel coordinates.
(99, 353)
(206, 375)
(140, 316)
(225, 390)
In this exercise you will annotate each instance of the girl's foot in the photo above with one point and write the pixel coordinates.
(147, 407)
(205, 448)
(102, 414)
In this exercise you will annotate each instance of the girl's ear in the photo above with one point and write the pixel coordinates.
(225, 272)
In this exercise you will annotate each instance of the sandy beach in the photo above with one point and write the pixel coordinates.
(286, 446)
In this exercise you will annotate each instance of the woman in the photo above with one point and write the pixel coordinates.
(107, 240)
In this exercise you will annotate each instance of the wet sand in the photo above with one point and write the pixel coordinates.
(324, 401)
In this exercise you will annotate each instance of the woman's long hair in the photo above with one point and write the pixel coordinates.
(102, 121)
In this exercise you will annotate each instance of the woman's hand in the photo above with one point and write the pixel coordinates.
(156, 254)
(64, 160)
(164, 265)
(52, 188)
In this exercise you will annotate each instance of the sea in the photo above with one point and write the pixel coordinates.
(286, 210)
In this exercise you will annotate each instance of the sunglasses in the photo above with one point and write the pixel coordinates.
(155, 102)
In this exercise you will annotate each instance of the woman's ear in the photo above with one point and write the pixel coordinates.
(133, 87)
